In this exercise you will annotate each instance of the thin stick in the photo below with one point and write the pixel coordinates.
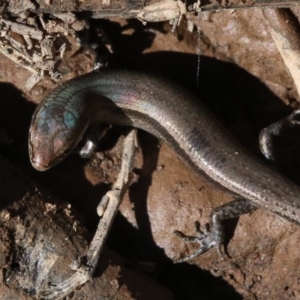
(285, 33)
(208, 5)
(107, 209)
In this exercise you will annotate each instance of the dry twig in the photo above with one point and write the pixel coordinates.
(285, 33)
(107, 210)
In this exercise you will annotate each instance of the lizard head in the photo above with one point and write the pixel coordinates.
(54, 133)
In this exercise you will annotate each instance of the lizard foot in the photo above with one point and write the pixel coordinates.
(214, 235)
(206, 238)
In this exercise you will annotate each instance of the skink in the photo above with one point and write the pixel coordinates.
(173, 115)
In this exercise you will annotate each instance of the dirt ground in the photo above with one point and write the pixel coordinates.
(243, 80)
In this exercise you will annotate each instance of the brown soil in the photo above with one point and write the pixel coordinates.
(244, 81)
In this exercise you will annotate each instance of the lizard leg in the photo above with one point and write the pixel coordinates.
(95, 133)
(275, 129)
(214, 236)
